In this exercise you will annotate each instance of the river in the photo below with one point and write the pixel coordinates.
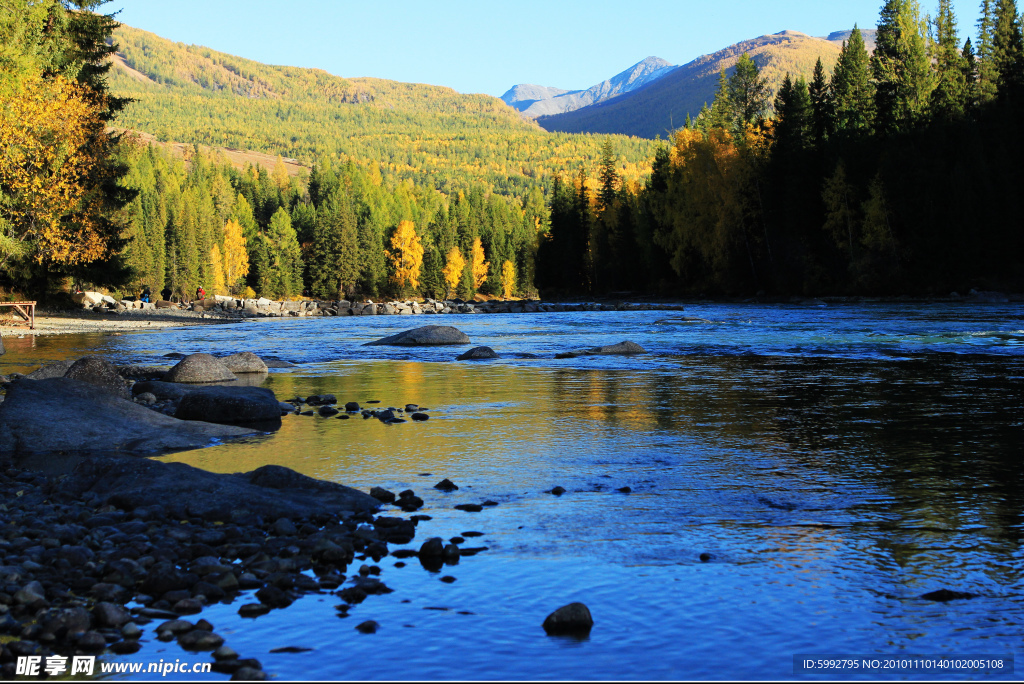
(835, 463)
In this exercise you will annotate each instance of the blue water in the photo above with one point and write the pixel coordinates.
(836, 462)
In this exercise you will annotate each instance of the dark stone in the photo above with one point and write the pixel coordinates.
(162, 578)
(274, 597)
(200, 640)
(624, 490)
(328, 411)
(291, 649)
(352, 407)
(71, 416)
(472, 533)
(230, 405)
(430, 335)
(91, 642)
(382, 495)
(944, 595)
(125, 647)
(251, 610)
(573, 619)
(433, 547)
(368, 627)
(98, 371)
(446, 485)
(110, 615)
(447, 579)
(420, 417)
(248, 674)
(489, 504)
(322, 400)
(244, 362)
(469, 508)
(705, 557)
(558, 491)
(478, 354)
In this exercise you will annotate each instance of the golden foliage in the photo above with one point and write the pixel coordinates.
(281, 179)
(49, 148)
(406, 255)
(508, 279)
(453, 269)
(480, 267)
(217, 271)
(236, 257)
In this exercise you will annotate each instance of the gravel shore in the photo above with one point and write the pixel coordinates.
(77, 322)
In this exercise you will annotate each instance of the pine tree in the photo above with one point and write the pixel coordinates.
(851, 91)
(950, 97)
(608, 176)
(748, 93)
(901, 68)
(794, 114)
(972, 87)
(285, 276)
(987, 72)
(821, 105)
(1008, 51)
(334, 266)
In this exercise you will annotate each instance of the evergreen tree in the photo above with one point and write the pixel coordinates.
(901, 68)
(794, 114)
(851, 91)
(334, 266)
(749, 96)
(950, 97)
(987, 72)
(608, 177)
(972, 86)
(1008, 51)
(285, 267)
(821, 105)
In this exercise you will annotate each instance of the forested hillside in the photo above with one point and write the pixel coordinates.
(191, 94)
(662, 106)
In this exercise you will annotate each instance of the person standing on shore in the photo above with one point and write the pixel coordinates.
(200, 294)
(165, 294)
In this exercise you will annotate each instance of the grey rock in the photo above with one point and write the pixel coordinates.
(433, 547)
(98, 371)
(574, 618)
(478, 354)
(110, 615)
(621, 349)
(70, 416)
(230, 405)
(131, 631)
(200, 640)
(91, 642)
(382, 495)
(245, 362)
(51, 370)
(430, 335)
(200, 368)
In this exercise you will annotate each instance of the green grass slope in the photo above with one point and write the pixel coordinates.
(657, 109)
(192, 94)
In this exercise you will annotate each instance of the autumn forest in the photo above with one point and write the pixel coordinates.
(895, 172)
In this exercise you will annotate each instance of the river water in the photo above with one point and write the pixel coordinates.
(835, 462)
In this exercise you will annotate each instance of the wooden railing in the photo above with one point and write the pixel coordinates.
(26, 310)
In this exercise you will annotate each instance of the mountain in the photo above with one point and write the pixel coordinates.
(194, 95)
(534, 101)
(661, 106)
(840, 37)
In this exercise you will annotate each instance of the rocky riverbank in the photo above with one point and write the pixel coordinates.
(103, 551)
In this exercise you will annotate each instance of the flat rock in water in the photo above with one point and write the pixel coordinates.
(427, 336)
(571, 620)
(478, 354)
(230, 405)
(271, 362)
(71, 416)
(198, 368)
(621, 349)
(944, 595)
(245, 362)
(270, 492)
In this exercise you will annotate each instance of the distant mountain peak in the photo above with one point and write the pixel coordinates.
(534, 100)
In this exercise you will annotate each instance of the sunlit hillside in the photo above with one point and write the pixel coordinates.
(191, 94)
(663, 105)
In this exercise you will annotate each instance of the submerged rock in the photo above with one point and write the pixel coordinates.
(944, 595)
(478, 354)
(231, 405)
(624, 348)
(429, 335)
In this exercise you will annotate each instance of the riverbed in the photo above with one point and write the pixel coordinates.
(831, 464)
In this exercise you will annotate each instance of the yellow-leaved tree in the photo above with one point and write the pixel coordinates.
(281, 179)
(508, 279)
(236, 257)
(406, 255)
(49, 151)
(480, 266)
(217, 271)
(453, 269)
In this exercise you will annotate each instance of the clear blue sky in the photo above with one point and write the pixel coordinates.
(487, 46)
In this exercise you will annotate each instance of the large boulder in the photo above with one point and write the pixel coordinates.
(271, 492)
(71, 416)
(198, 368)
(87, 300)
(429, 335)
(245, 362)
(230, 405)
(97, 371)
